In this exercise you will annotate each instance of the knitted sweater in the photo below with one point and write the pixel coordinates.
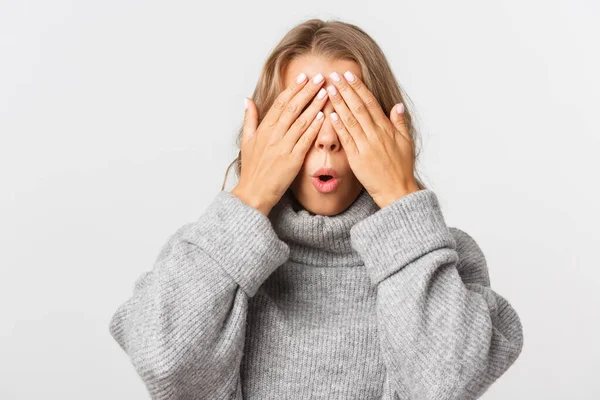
(370, 303)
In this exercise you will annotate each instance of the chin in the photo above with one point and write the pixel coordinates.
(323, 207)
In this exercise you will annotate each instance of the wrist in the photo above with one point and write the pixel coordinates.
(396, 195)
(252, 201)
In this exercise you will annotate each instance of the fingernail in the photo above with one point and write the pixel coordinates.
(349, 76)
(332, 90)
(335, 76)
(400, 108)
(321, 93)
(334, 116)
(245, 103)
(320, 115)
(301, 78)
(318, 78)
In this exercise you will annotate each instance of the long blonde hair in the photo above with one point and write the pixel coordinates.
(332, 40)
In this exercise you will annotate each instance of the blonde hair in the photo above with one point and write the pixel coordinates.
(332, 40)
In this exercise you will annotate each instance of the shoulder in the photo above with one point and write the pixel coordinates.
(472, 264)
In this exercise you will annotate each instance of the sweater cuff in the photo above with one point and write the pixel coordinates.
(240, 239)
(400, 233)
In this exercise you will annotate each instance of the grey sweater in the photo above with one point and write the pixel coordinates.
(371, 303)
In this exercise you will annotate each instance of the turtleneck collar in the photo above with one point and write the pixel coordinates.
(320, 240)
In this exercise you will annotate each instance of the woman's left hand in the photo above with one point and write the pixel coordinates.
(379, 149)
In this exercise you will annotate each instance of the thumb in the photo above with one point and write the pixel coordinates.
(397, 118)
(250, 120)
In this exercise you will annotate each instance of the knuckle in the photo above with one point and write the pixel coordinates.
(359, 108)
(293, 88)
(344, 88)
(277, 150)
(282, 152)
(300, 123)
(292, 107)
(371, 102)
(279, 103)
(268, 124)
(336, 99)
(351, 121)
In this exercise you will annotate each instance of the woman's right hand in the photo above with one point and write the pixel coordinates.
(273, 153)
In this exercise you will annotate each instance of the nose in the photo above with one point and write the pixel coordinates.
(327, 139)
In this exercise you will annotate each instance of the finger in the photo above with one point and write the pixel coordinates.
(296, 104)
(358, 110)
(303, 121)
(250, 120)
(346, 118)
(308, 137)
(248, 141)
(348, 142)
(281, 101)
(398, 120)
(368, 99)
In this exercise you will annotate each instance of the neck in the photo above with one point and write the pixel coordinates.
(320, 240)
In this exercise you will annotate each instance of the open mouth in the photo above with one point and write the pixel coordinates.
(325, 183)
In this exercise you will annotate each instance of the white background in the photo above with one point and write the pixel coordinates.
(117, 121)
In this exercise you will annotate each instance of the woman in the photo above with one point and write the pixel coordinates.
(328, 271)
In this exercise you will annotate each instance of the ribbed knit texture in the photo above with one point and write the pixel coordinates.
(368, 304)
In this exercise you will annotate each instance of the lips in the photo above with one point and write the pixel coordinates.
(325, 174)
(325, 180)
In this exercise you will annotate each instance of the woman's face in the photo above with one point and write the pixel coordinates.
(326, 151)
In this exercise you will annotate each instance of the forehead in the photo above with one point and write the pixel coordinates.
(312, 65)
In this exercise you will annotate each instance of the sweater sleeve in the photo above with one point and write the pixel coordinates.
(444, 333)
(183, 327)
